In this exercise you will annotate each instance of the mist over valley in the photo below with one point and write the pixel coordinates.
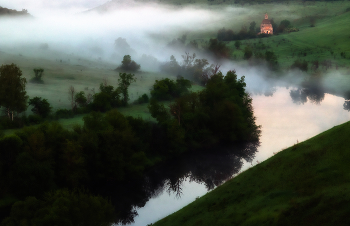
(149, 105)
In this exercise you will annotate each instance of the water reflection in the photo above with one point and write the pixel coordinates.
(210, 168)
(311, 90)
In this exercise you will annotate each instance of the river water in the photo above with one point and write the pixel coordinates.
(284, 120)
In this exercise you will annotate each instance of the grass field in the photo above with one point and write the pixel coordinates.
(63, 70)
(306, 184)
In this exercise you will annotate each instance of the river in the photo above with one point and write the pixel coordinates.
(284, 120)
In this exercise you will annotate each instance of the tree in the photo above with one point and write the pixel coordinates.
(124, 82)
(128, 64)
(38, 73)
(12, 90)
(283, 25)
(40, 106)
(80, 99)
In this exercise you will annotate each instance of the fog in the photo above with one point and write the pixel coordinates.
(147, 28)
(88, 29)
(85, 32)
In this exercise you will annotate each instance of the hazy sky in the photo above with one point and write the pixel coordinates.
(38, 7)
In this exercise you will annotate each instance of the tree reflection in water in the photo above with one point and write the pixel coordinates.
(311, 90)
(209, 167)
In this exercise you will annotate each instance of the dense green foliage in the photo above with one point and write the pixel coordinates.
(221, 113)
(167, 89)
(61, 207)
(106, 99)
(305, 184)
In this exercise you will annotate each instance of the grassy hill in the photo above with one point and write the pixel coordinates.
(306, 184)
(325, 41)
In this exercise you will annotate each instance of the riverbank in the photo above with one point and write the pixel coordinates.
(305, 184)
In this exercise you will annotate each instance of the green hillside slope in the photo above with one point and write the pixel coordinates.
(326, 41)
(306, 184)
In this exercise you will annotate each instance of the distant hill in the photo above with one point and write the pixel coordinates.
(12, 12)
(111, 6)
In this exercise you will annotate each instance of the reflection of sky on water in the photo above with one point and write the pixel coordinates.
(283, 124)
